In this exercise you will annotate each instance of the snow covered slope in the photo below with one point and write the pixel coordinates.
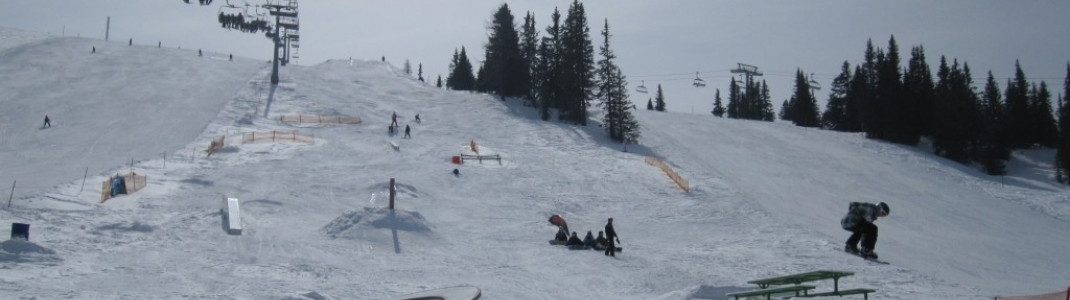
(766, 197)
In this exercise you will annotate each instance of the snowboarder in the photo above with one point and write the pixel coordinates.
(417, 118)
(859, 221)
(94, 49)
(611, 235)
(48, 122)
(407, 132)
(394, 119)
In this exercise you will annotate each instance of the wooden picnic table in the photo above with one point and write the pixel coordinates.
(804, 277)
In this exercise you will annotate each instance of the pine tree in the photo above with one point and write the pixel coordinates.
(835, 116)
(954, 131)
(767, 112)
(529, 51)
(891, 105)
(451, 79)
(1045, 132)
(994, 149)
(438, 83)
(919, 90)
(650, 104)
(577, 58)
(1062, 151)
(420, 74)
(659, 100)
(504, 71)
(1017, 109)
(803, 110)
(548, 79)
(718, 109)
(461, 77)
(733, 100)
(857, 107)
(612, 94)
(785, 110)
(408, 68)
(866, 92)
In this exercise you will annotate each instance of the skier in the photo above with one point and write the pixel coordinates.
(48, 122)
(407, 132)
(394, 119)
(417, 118)
(611, 235)
(859, 221)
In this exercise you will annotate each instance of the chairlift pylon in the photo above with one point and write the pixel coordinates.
(698, 82)
(641, 88)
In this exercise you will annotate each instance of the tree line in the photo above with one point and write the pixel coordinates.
(906, 105)
(552, 71)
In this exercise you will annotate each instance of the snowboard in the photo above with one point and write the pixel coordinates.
(556, 243)
(877, 261)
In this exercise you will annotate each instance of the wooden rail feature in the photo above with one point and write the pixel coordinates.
(318, 119)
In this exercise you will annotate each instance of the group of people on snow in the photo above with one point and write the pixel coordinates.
(394, 123)
(604, 241)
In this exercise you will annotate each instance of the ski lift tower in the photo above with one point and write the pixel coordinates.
(814, 86)
(748, 71)
(286, 26)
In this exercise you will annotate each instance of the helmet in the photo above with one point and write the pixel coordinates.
(884, 207)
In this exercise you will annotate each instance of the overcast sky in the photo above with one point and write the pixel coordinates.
(657, 42)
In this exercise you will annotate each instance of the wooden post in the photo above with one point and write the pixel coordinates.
(16, 181)
(165, 160)
(83, 180)
(393, 192)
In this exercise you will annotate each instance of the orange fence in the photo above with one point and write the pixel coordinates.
(317, 119)
(680, 181)
(274, 136)
(133, 181)
(1062, 295)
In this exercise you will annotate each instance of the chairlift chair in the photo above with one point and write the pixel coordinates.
(698, 81)
(641, 88)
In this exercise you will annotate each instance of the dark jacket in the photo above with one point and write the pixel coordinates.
(859, 212)
(589, 239)
(610, 233)
(561, 235)
(574, 241)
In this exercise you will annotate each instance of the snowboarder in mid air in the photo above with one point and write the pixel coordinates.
(859, 221)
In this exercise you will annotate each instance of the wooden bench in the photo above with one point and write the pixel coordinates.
(800, 291)
(796, 279)
(803, 277)
(864, 292)
(480, 158)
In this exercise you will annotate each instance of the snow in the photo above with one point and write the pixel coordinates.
(765, 200)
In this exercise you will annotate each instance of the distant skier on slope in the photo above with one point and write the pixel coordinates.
(859, 221)
(48, 122)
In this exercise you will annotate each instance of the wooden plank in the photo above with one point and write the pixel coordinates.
(798, 289)
(800, 278)
(842, 293)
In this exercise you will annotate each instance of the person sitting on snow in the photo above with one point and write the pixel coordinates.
(574, 240)
(589, 239)
(600, 242)
(561, 236)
